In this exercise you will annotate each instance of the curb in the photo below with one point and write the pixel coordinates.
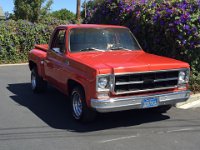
(192, 102)
(20, 64)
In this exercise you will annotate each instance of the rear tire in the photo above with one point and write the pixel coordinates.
(162, 109)
(38, 85)
(79, 109)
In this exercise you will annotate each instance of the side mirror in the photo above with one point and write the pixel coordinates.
(56, 49)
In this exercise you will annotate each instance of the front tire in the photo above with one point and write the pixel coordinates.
(79, 109)
(37, 83)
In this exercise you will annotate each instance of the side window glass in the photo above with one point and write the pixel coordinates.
(58, 44)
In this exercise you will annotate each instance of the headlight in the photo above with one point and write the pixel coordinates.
(103, 82)
(183, 76)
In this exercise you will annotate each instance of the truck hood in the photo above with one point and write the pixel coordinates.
(127, 61)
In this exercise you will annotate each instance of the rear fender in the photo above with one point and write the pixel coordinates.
(36, 58)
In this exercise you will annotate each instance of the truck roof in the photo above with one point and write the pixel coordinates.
(70, 26)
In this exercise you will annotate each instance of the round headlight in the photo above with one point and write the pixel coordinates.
(102, 83)
(182, 76)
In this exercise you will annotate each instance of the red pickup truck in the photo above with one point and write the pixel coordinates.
(102, 68)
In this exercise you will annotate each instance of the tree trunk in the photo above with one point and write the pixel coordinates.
(78, 11)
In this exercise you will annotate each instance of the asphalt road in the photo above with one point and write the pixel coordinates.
(42, 122)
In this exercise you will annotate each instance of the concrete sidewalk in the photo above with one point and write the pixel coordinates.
(193, 102)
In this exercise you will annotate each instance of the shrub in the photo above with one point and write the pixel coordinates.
(170, 28)
(17, 38)
(63, 14)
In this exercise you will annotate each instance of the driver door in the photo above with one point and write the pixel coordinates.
(56, 56)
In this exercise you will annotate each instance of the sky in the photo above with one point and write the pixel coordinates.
(8, 5)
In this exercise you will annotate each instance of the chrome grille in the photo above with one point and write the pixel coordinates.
(147, 81)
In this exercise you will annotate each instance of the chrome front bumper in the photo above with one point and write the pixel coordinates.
(135, 102)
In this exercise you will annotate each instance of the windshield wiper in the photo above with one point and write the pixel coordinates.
(120, 48)
(91, 49)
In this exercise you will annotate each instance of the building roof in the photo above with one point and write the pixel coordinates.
(2, 16)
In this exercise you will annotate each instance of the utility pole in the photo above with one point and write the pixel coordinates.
(85, 9)
(78, 11)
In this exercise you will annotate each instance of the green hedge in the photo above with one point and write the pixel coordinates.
(17, 38)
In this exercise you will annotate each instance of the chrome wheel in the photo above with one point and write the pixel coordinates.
(33, 81)
(79, 109)
(77, 105)
(38, 85)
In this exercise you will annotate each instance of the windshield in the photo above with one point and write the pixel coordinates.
(102, 39)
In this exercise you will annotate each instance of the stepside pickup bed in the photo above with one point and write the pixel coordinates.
(102, 68)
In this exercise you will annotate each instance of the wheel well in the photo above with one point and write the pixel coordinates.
(32, 65)
(72, 84)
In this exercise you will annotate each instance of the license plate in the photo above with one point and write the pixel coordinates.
(149, 102)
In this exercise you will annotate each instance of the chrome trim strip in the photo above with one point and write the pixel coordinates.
(126, 73)
(127, 83)
(135, 102)
(167, 79)
(140, 82)
(146, 90)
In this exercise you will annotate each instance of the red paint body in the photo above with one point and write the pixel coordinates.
(83, 67)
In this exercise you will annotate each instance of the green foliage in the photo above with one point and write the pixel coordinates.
(31, 10)
(17, 38)
(195, 81)
(63, 14)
